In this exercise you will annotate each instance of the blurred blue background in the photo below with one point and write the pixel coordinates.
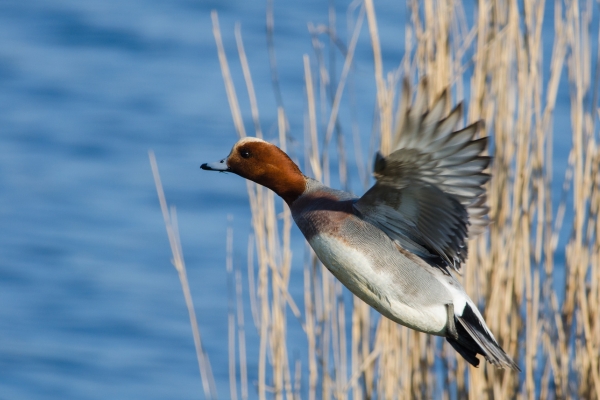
(90, 306)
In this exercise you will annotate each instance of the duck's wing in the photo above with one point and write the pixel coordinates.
(429, 195)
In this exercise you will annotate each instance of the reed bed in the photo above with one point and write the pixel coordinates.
(543, 308)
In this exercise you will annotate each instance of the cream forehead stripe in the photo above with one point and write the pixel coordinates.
(248, 140)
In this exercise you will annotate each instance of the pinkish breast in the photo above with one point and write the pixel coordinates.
(319, 212)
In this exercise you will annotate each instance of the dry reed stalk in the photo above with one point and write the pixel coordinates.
(170, 218)
(580, 249)
(231, 328)
(231, 94)
(248, 80)
(241, 325)
(333, 117)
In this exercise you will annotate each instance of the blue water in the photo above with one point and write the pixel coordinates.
(90, 306)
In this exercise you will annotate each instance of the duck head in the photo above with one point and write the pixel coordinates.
(265, 164)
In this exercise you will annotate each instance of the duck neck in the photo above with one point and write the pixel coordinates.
(289, 188)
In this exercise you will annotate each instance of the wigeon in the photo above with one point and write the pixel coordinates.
(394, 247)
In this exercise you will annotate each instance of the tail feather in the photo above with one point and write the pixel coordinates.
(474, 338)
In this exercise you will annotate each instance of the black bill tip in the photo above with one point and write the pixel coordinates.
(220, 166)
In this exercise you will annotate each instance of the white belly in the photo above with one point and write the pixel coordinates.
(376, 286)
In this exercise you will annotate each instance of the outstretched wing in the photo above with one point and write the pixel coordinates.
(429, 194)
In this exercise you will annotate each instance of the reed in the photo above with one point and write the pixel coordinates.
(170, 218)
(551, 325)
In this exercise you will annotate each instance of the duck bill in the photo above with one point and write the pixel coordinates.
(216, 166)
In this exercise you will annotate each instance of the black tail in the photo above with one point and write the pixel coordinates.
(473, 338)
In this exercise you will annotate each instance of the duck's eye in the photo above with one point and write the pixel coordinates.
(245, 154)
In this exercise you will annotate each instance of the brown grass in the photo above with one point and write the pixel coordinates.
(551, 326)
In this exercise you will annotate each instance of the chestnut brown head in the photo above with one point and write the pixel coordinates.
(265, 164)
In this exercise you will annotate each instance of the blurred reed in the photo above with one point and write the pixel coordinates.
(545, 314)
(170, 217)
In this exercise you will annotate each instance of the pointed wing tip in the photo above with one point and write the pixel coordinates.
(379, 163)
(457, 268)
(444, 95)
(480, 125)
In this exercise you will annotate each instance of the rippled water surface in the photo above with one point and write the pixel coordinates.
(90, 306)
